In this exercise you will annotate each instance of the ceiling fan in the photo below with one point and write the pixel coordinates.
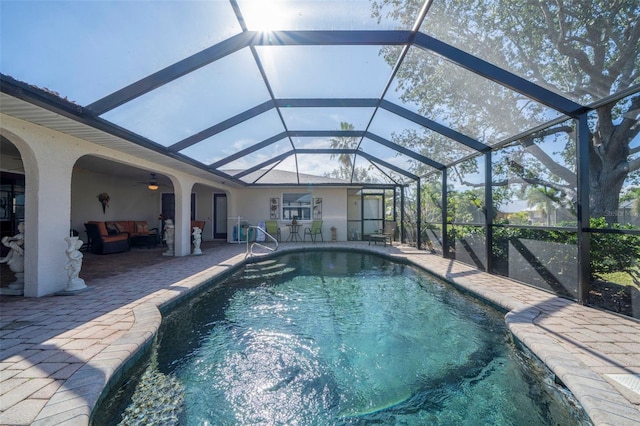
(152, 184)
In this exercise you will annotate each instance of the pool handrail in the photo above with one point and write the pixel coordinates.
(249, 252)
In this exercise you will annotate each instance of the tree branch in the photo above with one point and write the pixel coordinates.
(553, 166)
(634, 165)
(627, 48)
(566, 189)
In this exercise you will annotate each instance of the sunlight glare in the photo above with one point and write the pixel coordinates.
(265, 15)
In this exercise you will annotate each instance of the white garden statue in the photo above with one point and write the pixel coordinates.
(197, 240)
(15, 260)
(74, 264)
(169, 237)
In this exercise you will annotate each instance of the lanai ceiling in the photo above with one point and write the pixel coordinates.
(263, 92)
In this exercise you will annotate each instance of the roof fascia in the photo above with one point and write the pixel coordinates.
(500, 76)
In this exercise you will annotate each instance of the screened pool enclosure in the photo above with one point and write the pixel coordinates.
(500, 133)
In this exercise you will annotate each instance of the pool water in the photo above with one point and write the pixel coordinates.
(341, 338)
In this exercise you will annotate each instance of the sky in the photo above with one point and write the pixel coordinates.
(84, 50)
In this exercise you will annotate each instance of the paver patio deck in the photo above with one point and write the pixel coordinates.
(58, 353)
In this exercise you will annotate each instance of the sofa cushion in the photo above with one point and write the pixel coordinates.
(121, 226)
(112, 229)
(142, 228)
(133, 227)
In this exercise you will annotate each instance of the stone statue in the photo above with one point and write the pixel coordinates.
(74, 264)
(169, 237)
(15, 260)
(197, 240)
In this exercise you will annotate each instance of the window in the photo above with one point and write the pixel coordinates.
(296, 204)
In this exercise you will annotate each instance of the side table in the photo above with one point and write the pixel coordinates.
(294, 232)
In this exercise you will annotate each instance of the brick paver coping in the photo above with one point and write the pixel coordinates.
(59, 353)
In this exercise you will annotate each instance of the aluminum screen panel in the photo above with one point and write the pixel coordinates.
(325, 71)
(463, 101)
(264, 15)
(86, 50)
(194, 102)
(236, 138)
(582, 50)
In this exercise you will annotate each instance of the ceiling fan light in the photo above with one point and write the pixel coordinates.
(153, 183)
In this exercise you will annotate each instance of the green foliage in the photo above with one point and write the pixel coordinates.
(519, 218)
(613, 252)
(586, 50)
(345, 161)
(466, 206)
(346, 169)
(610, 252)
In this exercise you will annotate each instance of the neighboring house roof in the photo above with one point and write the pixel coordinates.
(516, 206)
(283, 177)
(626, 204)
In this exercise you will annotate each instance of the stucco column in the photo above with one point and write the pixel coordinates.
(182, 189)
(49, 206)
(48, 164)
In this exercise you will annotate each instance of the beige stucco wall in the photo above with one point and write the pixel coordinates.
(253, 205)
(128, 200)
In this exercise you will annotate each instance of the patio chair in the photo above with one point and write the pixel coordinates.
(272, 228)
(390, 230)
(313, 231)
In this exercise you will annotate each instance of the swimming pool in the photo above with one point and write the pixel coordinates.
(341, 338)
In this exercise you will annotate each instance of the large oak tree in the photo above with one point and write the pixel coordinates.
(586, 50)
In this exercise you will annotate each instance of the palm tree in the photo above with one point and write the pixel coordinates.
(345, 169)
(544, 198)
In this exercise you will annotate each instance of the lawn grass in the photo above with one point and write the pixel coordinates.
(621, 278)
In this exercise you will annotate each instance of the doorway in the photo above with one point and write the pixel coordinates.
(372, 213)
(219, 216)
(12, 196)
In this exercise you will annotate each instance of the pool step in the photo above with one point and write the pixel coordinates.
(266, 269)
